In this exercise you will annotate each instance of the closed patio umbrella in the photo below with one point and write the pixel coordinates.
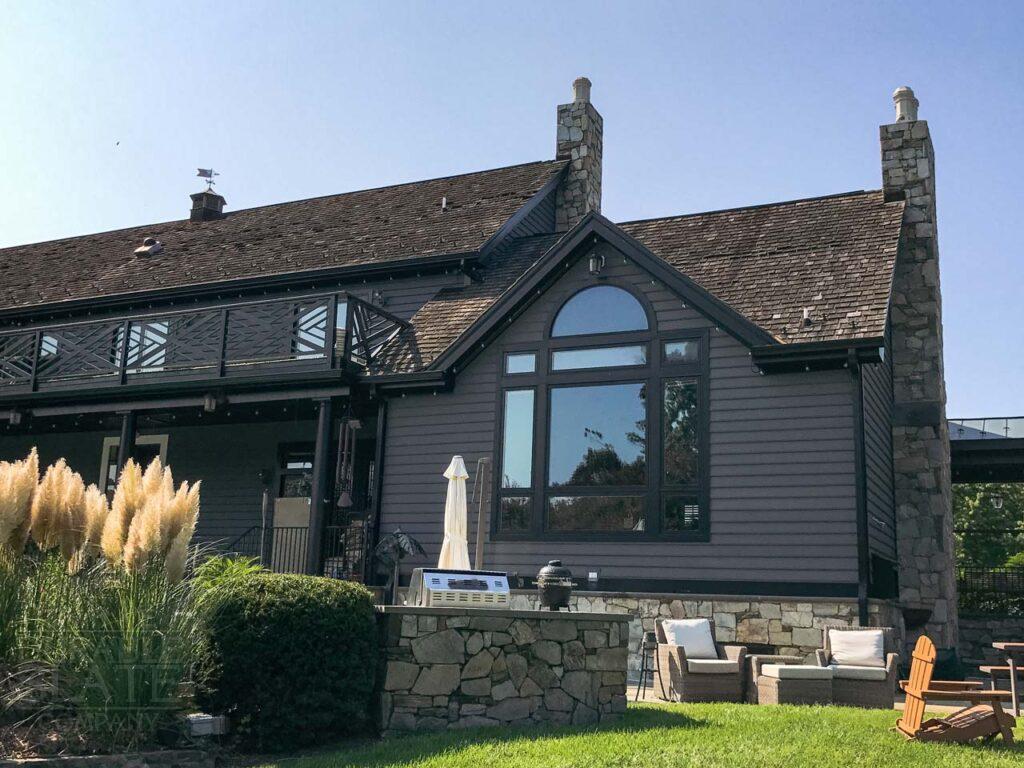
(455, 549)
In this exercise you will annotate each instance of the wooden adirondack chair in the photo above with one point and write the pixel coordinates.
(982, 718)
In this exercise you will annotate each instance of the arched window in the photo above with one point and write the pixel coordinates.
(601, 309)
(604, 426)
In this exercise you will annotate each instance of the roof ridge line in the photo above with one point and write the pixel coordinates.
(755, 207)
(229, 214)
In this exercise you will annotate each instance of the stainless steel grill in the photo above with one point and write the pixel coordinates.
(437, 588)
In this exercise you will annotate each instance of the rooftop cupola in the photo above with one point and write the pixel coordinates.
(207, 205)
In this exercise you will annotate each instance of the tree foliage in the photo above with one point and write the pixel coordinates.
(989, 519)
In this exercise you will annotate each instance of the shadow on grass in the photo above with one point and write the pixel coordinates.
(420, 746)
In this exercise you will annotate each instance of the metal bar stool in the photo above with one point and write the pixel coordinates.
(648, 665)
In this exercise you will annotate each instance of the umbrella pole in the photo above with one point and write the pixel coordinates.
(481, 471)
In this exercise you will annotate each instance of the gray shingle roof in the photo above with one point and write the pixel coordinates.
(834, 255)
(353, 229)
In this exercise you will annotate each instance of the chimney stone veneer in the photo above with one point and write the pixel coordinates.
(924, 511)
(580, 130)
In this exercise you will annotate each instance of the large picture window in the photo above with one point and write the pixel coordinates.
(604, 433)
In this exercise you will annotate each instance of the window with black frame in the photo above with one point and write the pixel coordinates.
(604, 427)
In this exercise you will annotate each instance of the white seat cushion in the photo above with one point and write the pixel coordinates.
(796, 672)
(859, 648)
(852, 672)
(694, 635)
(712, 666)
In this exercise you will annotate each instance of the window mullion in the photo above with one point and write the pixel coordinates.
(542, 407)
(655, 409)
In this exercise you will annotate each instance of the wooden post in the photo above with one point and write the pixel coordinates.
(320, 495)
(126, 448)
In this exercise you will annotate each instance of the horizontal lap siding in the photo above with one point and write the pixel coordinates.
(878, 459)
(227, 459)
(782, 463)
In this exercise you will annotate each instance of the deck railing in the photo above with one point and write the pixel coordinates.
(252, 338)
(990, 428)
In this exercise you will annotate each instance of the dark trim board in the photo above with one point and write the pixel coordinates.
(860, 469)
(752, 589)
(758, 588)
(817, 355)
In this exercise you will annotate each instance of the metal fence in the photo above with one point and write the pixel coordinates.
(986, 584)
(991, 591)
(285, 549)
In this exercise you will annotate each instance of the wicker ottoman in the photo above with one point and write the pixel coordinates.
(793, 684)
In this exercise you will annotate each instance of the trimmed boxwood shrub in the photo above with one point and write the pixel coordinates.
(290, 658)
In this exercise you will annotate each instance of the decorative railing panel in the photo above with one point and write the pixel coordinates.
(304, 333)
(17, 355)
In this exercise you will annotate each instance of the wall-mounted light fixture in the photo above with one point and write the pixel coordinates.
(596, 264)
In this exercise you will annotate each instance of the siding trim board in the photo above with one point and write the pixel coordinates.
(863, 561)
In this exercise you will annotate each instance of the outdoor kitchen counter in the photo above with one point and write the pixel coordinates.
(464, 667)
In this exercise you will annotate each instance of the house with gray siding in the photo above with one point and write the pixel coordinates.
(734, 413)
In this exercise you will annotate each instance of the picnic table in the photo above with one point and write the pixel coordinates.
(1014, 665)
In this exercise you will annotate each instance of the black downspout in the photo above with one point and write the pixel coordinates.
(126, 448)
(860, 464)
(378, 489)
(320, 494)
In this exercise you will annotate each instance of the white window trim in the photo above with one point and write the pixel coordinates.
(115, 442)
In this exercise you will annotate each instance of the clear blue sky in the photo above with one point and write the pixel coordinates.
(706, 105)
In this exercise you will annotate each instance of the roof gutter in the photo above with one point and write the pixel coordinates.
(817, 355)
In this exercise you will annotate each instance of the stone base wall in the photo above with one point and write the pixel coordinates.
(977, 633)
(446, 668)
(790, 625)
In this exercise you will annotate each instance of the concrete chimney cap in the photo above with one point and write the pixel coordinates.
(581, 90)
(906, 104)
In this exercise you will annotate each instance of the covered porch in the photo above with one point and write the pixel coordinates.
(288, 476)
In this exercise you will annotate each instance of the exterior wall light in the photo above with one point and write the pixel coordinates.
(596, 264)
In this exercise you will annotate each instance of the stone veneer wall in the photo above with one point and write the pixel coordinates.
(924, 507)
(447, 668)
(977, 633)
(580, 141)
(791, 625)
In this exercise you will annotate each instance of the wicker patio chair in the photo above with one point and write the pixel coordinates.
(863, 686)
(692, 680)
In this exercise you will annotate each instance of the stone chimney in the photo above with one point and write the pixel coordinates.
(580, 129)
(924, 511)
(206, 206)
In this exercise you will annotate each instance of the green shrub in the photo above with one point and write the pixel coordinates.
(292, 659)
(215, 571)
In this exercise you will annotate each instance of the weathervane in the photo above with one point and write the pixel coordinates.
(208, 174)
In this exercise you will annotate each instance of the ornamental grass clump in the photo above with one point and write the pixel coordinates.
(92, 597)
(161, 530)
(18, 482)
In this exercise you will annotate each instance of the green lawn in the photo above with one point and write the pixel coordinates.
(699, 735)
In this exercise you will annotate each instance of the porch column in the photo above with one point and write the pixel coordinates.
(126, 448)
(320, 499)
